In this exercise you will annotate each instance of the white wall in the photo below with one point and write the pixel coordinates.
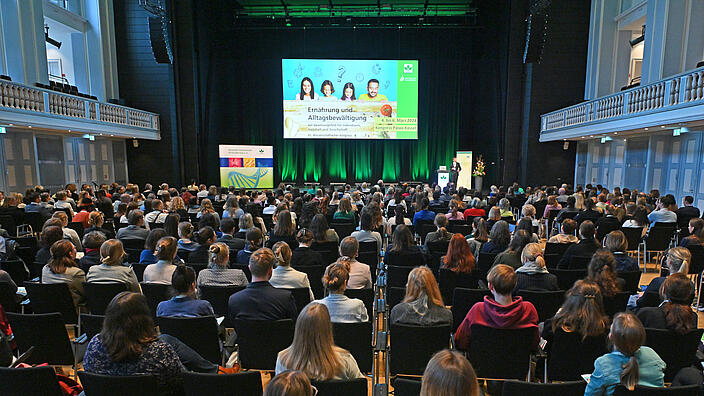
(61, 33)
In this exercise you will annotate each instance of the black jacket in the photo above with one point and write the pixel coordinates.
(306, 256)
(234, 244)
(262, 301)
(585, 248)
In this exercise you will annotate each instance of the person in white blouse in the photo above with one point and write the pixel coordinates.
(285, 277)
(360, 274)
(162, 271)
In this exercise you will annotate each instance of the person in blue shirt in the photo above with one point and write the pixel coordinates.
(630, 364)
(424, 213)
(617, 243)
(184, 304)
(254, 242)
(147, 256)
(665, 212)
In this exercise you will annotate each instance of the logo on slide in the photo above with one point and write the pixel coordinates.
(408, 67)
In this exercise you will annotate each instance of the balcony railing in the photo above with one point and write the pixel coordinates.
(678, 91)
(14, 96)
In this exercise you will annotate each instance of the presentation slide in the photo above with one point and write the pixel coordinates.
(247, 166)
(350, 99)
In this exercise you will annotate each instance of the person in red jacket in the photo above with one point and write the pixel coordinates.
(503, 311)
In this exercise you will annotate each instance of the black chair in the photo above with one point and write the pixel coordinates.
(201, 334)
(501, 353)
(460, 227)
(689, 390)
(99, 295)
(133, 248)
(484, 264)
(676, 350)
(302, 297)
(219, 296)
(156, 293)
(556, 248)
(545, 302)
(315, 277)
(367, 297)
(343, 229)
(248, 383)
(16, 269)
(570, 356)
(406, 386)
(76, 226)
(658, 238)
(8, 299)
(47, 334)
(521, 388)
(462, 301)
(634, 237)
(8, 223)
(52, 297)
(260, 341)
(449, 280)
(579, 262)
(117, 385)
(91, 325)
(32, 381)
(329, 251)
(616, 304)
(354, 387)
(356, 338)
(411, 347)
(423, 227)
(369, 254)
(567, 277)
(36, 220)
(394, 295)
(139, 270)
(632, 279)
(397, 276)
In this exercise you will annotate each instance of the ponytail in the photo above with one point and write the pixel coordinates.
(217, 253)
(443, 233)
(629, 374)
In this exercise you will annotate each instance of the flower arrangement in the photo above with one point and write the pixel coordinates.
(479, 169)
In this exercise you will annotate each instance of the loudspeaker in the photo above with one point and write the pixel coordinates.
(159, 40)
(536, 31)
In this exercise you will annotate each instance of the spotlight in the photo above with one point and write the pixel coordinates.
(638, 39)
(50, 40)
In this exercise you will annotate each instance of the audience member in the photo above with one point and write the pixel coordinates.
(639, 219)
(163, 270)
(91, 245)
(585, 248)
(303, 254)
(459, 257)
(254, 242)
(499, 238)
(49, 235)
(675, 313)
(602, 271)
(441, 234)
(367, 228)
(360, 274)
(111, 269)
(285, 277)
(422, 305)
(567, 233)
(696, 229)
(69, 234)
(479, 236)
(184, 304)
(402, 247)
(512, 255)
(284, 231)
(449, 373)
(95, 223)
(185, 233)
(424, 213)
(341, 308)
(147, 256)
(62, 268)
(533, 275)
(134, 230)
(617, 244)
(687, 210)
(205, 237)
(664, 211)
(218, 273)
(227, 226)
(321, 232)
(677, 260)
(289, 383)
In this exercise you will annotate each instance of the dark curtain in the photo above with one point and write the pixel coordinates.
(241, 100)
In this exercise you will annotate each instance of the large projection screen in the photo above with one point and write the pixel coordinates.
(350, 99)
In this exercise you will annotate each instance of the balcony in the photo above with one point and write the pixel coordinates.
(673, 101)
(43, 108)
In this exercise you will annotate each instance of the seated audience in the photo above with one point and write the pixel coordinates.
(675, 313)
(526, 223)
(227, 226)
(533, 275)
(185, 234)
(602, 271)
(631, 363)
(476, 210)
(664, 211)
(285, 277)
(205, 237)
(321, 232)
(493, 218)
(512, 255)
(590, 212)
(569, 211)
(254, 242)
(677, 260)
(367, 229)
(606, 224)
(638, 219)
(567, 233)
(499, 238)
(403, 246)
(422, 305)
(552, 205)
(500, 310)
(260, 300)
(687, 210)
(303, 254)
(218, 272)
(246, 223)
(585, 248)
(95, 223)
(92, 242)
(49, 235)
(398, 218)
(111, 269)
(696, 229)
(284, 231)
(479, 236)
(455, 212)
(184, 304)
(617, 244)
(135, 229)
(360, 274)
(171, 225)
(232, 209)
(69, 234)
(459, 257)
(157, 214)
(313, 350)
(341, 308)
(62, 268)
(449, 373)
(441, 234)
(505, 209)
(424, 213)
(206, 207)
(163, 270)
(344, 211)
(147, 256)
(289, 383)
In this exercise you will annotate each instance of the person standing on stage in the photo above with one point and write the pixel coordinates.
(455, 169)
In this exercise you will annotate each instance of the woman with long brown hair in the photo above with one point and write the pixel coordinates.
(449, 373)
(313, 350)
(675, 313)
(459, 257)
(284, 231)
(62, 268)
(631, 363)
(422, 304)
(602, 271)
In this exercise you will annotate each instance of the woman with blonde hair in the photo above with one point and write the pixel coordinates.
(283, 276)
(344, 211)
(422, 305)
(111, 269)
(218, 272)
(533, 275)
(95, 221)
(179, 207)
(449, 373)
(313, 350)
(206, 206)
(342, 309)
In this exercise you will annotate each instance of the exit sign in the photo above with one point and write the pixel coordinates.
(3, 130)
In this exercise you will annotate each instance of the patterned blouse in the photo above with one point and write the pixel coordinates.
(158, 359)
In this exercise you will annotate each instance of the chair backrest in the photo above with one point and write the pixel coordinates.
(697, 265)
(219, 296)
(520, 388)
(659, 237)
(460, 227)
(501, 353)
(371, 259)
(329, 250)
(46, 333)
(649, 299)
(248, 383)
(567, 277)
(8, 223)
(411, 347)
(357, 339)
(370, 246)
(52, 297)
(156, 293)
(201, 334)
(462, 301)
(35, 219)
(99, 295)
(91, 324)
(406, 386)
(260, 341)
(634, 236)
(366, 295)
(397, 276)
(569, 356)
(423, 227)
(29, 381)
(343, 230)
(632, 279)
(448, 280)
(484, 264)
(353, 387)
(677, 350)
(76, 226)
(301, 296)
(133, 243)
(556, 248)
(139, 270)
(438, 246)
(7, 298)
(545, 302)
(16, 269)
(116, 385)
(315, 278)
(394, 295)
(616, 304)
(579, 262)
(688, 390)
